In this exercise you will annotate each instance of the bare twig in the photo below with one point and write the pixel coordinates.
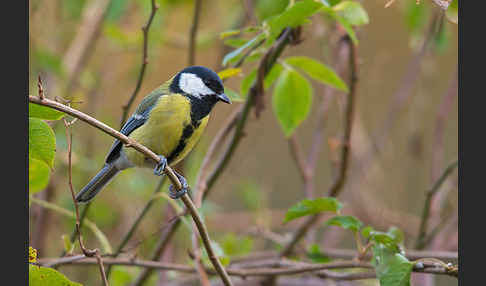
(86, 252)
(426, 211)
(339, 181)
(145, 29)
(148, 153)
(267, 268)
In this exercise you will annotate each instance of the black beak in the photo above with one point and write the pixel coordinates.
(224, 98)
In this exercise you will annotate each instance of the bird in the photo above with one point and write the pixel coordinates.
(169, 121)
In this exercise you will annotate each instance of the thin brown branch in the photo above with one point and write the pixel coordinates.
(430, 194)
(149, 154)
(87, 252)
(298, 156)
(345, 153)
(267, 268)
(145, 29)
(193, 32)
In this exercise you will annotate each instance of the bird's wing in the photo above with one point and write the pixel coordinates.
(138, 118)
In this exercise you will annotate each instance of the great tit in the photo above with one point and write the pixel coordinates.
(169, 121)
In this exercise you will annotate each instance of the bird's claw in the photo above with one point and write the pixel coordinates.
(160, 167)
(175, 194)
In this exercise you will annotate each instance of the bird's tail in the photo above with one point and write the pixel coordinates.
(97, 183)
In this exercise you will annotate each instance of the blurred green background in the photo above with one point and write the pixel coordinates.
(261, 181)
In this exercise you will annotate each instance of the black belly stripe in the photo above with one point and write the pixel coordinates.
(186, 134)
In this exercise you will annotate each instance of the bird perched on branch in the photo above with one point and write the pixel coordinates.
(169, 121)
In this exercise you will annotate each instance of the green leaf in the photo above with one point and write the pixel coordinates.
(291, 101)
(267, 8)
(246, 82)
(229, 33)
(330, 3)
(309, 207)
(233, 95)
(272, 75)
(396, 234)
(235, 42)
(315, 254)
(44, 112)
(346, 222)
(318, 71)
(237, 54)
(353, 12)
(39, 276)
(42, 141)
(229, 72)
(293, 16)
(38, 175)
(392, 269)
(367, 231)
(452, 12)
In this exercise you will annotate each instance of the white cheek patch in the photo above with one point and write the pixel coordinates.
(193, 85)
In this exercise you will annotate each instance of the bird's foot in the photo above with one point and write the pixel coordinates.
(160, 167)
(175, 194)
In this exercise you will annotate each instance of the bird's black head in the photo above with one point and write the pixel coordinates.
(201, 83)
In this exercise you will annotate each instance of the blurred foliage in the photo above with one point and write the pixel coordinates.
(261, 167)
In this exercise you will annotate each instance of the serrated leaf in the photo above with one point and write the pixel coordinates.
(452, 12)
(47, 276)
(38, 175)
(310, 207)
(353, 12)
(229, 72)
(44, 112)
(293, 16)
(392, 268)
(42, 141)
(318, 71)
(238, 53)
(346, 222)
(291, 100)
(233, 95)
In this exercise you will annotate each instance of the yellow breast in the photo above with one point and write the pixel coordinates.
(164, 130)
